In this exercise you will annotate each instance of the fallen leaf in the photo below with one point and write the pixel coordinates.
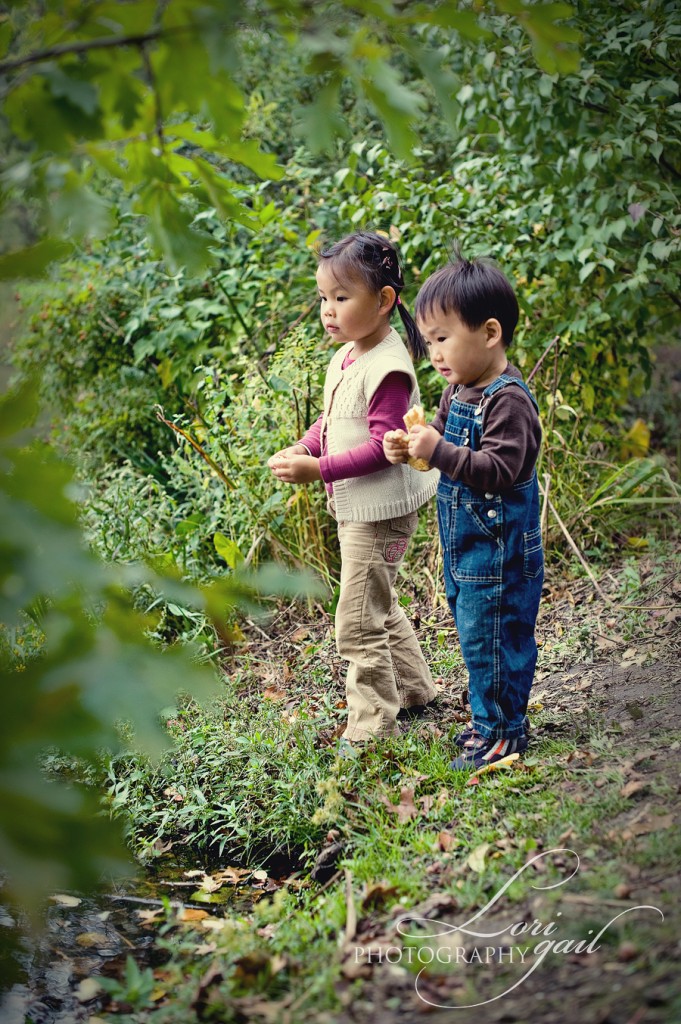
(88, 989)
(92, 939)
(213, 924)
(159, 847)
(635, 786)
(191, 914)
(445, 841)
(504, 762)
(66, 901)
(149, 917)
(377, 895)
(476, 859)
(644, 827)
(211, 884)
(232, 874)
(273, 694)
(405, 809)
(204, 948)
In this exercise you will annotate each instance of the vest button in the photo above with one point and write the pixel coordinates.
(492, 514)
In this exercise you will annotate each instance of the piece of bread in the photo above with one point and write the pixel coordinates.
(413, 417)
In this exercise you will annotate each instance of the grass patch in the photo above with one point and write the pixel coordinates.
(254, 795)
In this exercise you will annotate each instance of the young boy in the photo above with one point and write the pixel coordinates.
(484, 440)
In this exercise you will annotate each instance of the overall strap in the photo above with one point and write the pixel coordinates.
(502, 381)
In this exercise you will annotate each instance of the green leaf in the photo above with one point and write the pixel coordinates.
(220, 193)
(397, 104)
(18, 408)
(320, 120)
(34, 260)
(172, 233)
(79, 93)
(228, 550)
(80, 212)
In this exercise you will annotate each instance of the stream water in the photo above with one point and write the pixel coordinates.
(84, 937)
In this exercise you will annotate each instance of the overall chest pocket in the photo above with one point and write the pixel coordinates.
(477, 541)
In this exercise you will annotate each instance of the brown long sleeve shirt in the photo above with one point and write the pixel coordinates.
(511, 436)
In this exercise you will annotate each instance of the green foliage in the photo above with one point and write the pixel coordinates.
(210, 791)
(77, 663)
(90, 666)
(153, 97)
(233, 383)
(213, 505)
(134, 990)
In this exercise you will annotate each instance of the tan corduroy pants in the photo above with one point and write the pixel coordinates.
(386, 668)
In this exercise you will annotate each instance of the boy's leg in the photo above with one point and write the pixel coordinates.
(495, 615)
(474, 577)
(371, 554)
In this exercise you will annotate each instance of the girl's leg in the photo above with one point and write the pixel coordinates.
(371, 554)
(412, 674)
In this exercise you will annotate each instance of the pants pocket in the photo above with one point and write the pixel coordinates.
(405, 525)
(477, 545)
(533, 554)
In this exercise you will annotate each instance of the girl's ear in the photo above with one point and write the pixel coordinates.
(495, 335)
(387, 296)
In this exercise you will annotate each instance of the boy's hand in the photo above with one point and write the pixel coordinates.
(422, 442)
(295, 469)
(395, 446)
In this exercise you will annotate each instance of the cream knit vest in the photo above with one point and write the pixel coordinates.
(390, 492)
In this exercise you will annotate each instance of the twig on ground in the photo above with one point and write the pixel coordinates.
(351, 912)
(585, 565)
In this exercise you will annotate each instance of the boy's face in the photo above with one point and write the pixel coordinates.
(463, 355)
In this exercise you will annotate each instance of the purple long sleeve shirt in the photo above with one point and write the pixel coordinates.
(387, 407)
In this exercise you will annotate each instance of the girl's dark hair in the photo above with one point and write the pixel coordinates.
(475, 290)
(374, 260)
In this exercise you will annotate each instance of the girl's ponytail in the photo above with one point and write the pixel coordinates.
(415, 342)
(374, 258)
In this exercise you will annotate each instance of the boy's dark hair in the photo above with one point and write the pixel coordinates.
(374, 260)
(475, 290)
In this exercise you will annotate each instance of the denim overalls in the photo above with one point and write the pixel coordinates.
(494, 569)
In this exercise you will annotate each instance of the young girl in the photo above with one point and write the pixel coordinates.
(369, 386)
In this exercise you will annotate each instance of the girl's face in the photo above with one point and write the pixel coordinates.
(351, 312)
(461, 354)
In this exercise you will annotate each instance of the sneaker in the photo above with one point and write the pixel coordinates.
(479, 751)
(462, 738)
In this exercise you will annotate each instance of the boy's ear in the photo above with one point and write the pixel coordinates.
(387, 297)
(495, 335)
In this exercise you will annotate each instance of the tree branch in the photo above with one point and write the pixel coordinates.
(109, 42)
(153, 85)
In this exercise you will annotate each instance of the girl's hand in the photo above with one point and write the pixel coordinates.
(296, 469)
(285, 453)
(395, 446)
(422, 442)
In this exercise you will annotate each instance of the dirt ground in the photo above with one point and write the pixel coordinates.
(618, 704)
(623, 709)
